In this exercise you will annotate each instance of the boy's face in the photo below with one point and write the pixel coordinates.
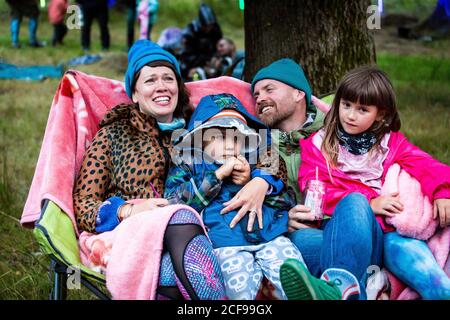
(221, 144)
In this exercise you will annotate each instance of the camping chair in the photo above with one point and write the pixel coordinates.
(80, 103)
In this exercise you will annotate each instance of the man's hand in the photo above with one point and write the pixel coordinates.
(387, 205)
(250, 199)
(441, 209)
(241, 171)
(299, 217)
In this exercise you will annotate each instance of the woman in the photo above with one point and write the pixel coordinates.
(129, 158)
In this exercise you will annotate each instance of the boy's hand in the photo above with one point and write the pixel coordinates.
(241, 171)
(441, 209)
(387, 205)
(226, 169)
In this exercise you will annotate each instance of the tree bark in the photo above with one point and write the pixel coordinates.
(327, 37)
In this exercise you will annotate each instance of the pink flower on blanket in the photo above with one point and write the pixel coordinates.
(100, 253)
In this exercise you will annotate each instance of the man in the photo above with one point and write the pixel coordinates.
(333, 251)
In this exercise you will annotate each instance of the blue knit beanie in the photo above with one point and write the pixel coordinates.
(141, 53)
(288, 72)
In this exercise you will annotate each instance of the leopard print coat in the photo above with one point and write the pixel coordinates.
(129, 158)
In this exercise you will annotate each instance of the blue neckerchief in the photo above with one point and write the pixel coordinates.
(177, 123)
(356, 144)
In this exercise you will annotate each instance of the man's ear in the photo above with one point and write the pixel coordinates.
(299, 95)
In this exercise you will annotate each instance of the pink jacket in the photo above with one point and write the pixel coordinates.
(434, 176)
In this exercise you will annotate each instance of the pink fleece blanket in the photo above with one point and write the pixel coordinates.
(130, 255)
(416, 221)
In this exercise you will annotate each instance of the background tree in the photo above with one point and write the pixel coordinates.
(327, 37)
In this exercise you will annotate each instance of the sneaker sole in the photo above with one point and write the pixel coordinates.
(295, 282)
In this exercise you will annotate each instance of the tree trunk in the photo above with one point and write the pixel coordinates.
(327, 37)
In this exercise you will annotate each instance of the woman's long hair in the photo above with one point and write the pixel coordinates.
(183, 108)
(365, 85)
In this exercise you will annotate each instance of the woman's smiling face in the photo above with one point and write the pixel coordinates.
(156, 92)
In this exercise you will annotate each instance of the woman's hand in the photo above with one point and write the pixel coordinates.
(299, 217)
(241, 171)
(387, 205)
(249, 198)
(130, 209)
(441, 209)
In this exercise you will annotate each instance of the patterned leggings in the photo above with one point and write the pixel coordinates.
(243, 267)
(189, 269)
(412, 262)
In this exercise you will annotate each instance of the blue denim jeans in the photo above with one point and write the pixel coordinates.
(352, 240)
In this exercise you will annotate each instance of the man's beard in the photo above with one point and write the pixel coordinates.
(273, 118)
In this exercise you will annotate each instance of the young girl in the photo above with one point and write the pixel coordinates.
(353, 153)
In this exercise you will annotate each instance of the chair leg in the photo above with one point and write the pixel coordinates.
(96, 291)
(58, 273)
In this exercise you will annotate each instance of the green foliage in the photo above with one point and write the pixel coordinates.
(423, 93)
(420, 8)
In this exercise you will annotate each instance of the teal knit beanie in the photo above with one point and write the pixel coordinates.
(288, 72)
(141, 53)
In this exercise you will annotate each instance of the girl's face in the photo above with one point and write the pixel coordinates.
(356, 118)
(222, 144)
(156, 92)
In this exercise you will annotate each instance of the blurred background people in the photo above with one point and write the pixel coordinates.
(20, 9)
(229, 61)
(98, 10)
(131, 19)
(56, 12)
(200, 39)
(147, 12)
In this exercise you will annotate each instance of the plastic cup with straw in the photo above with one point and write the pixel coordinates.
(315, 194)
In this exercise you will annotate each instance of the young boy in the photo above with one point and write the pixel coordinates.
(205, 177)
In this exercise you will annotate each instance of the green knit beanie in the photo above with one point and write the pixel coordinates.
(288, 72)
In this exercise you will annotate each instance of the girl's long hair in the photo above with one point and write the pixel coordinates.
(368, 86)
(183, 108)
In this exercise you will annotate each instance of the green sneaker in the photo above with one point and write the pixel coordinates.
(299, 284)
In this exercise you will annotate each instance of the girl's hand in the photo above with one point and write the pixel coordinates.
(129, 209)
(250, 199)
(241, 171)
(441, 208)
(387, 205)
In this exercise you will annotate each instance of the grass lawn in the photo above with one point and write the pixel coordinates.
(422, 83)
